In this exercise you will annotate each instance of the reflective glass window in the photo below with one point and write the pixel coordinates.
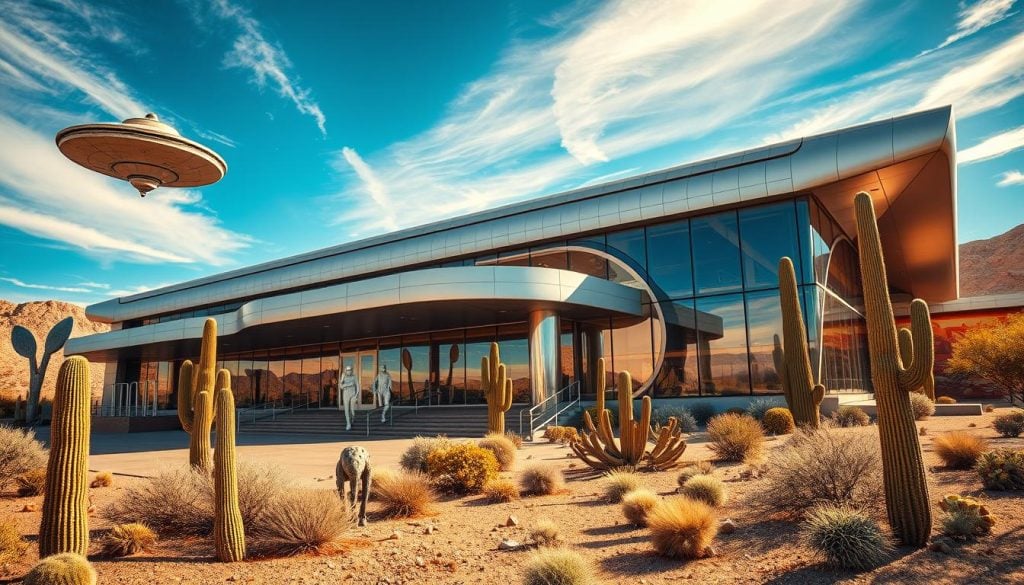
(515, 354)
(716, 253)
(311, 380)
(417, 350)
(632, 352)
(478, 346)
(768, 233)
(669, 262)
(451, 351)
(678, 375)
(549, 258)
(514, 258)
(764, 326)
(588, 263)
(722, 345)
(628, 244)
(329, 373)
(568, 354)
(805, 235)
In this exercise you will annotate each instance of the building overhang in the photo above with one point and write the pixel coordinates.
(411, 302)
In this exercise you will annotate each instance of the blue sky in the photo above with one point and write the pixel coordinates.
(344, 119)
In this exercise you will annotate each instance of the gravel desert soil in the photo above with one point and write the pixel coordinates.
(461, 547)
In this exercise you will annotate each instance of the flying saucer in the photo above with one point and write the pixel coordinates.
(143, 151)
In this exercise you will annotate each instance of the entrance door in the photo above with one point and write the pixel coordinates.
(364, 366)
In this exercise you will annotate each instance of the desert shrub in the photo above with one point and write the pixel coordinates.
(735, 437)
(20, 453)
(693, 470)
(541, 480)
(637, 504)
(846, 537)
(61, 568)
(32, 482)
(1002, 469)
(415, 457)
(819, 466)
(945, 400)
(501, 490)
(851, 416)
(778, 421)
(127, 539)
(617, 483)
(687, 423)
(404, 495)
(959, 450)
(102, 479)
(179, 502)
(381, 477)
(737, 410)
(922, 406)
(516, 439)
(557, 434)
(12, 545)
(462, 468)
(1010, 424)
(759, 406)
(682, 527)
(504, 450)
(546, 533)
(300, 521)
(702, 412)
(558, 566)
(706, 488)
(965, 517)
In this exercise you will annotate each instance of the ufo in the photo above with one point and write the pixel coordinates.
(143, 151)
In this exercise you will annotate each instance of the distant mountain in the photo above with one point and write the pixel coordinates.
(39, 317)
(993, 266)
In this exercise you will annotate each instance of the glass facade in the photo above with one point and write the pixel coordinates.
(715, 282)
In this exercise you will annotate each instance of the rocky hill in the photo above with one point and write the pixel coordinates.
(39, 317)
(993, 266)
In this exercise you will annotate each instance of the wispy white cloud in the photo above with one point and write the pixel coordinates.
(267, 61)
(373, 186)
(627, 78)
(1010, 178)
(22, 284)
(993, 146)
(979, 15)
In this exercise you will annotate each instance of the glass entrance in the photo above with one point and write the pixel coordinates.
(364, 366)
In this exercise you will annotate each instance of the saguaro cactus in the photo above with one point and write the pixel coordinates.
(906, 342)
(228, 531)
(64, 527)
(792, 361)
(25, 345)
(598, 448)
(196, 414)
(906, 488)
(497, 390)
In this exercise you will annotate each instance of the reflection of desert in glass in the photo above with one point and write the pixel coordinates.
(946, 328)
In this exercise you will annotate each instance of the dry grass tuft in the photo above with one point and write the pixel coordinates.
(415, 457)
(959, 450)
(501, 490)
(12, 545)
(300, 521)
(405, 495)
(515, 438)
(736, 437)
(32, 482)
(637, 504)
(503, 448)
(619, 483)
(921, 405)
(20, 453)
(102, 479)
(682, 528)
(706, 488)
(546, 533)
(541, 480)
(61, 568)
(558, 566)
(127, 539)
(694, 469)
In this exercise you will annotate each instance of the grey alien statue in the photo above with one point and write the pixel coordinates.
(348, 395)
(382, 391)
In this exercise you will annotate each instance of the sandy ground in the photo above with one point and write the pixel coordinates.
(463, 548)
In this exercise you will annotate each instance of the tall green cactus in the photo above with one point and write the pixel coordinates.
(195, 413)
(792, 361)
(906, 487)
(497, 390)
(24, 344)
(64, 527)
(906, 342)
(228, 531)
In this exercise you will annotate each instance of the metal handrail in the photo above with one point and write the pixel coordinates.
(125, 399)
(532, 413)
(390, 415)
(263, 406)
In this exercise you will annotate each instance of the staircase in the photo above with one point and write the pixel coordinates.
(454, 421)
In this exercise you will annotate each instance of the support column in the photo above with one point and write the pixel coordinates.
(545, 354)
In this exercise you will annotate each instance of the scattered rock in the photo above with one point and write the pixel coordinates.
(710, 552)
(972, 425)
(420, 562)
(529, 456)
(941, 545)
(509, 544)
(728, 526)
(923, 431)
(30, 508)
(429, 529)
(512, 521)
(395, 535)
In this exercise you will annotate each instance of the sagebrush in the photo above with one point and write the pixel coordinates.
(736, 437)
(300, 521)
(685, 419)
(415, 457)
(851, 416)
(1010, 424)
(20, 453)
(921, 405)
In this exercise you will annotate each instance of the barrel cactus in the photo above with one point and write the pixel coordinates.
(61, 569)
(906, 488)
(64, 527)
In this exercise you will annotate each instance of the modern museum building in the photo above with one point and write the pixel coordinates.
(670, 275)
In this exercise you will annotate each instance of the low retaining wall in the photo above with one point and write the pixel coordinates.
(134, 424)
